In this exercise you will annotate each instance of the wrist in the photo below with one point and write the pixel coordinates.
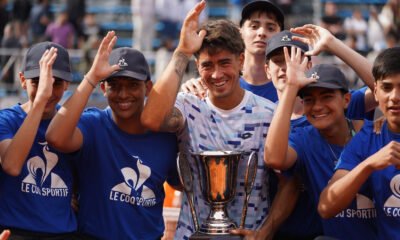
(90, 81)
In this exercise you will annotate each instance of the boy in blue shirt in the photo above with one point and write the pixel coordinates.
(324, 104)
(35, 179)
(123, 165)
(372, 159)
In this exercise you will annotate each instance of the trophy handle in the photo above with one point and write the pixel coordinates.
(186, 178)
(249, 178)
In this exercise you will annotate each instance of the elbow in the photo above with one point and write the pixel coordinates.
(11, 170)
(324, 211)
(150, 122)
(274, 162)
(53, 140)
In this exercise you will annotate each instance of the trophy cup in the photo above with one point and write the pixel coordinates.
(218, 176)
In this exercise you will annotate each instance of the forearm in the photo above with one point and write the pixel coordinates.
(20, 145)
(161, 100)
(60, 133)
(276, 144)
(342, 190)
(282, 206)
(356, 61)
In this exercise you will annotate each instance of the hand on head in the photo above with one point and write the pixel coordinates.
(101, 67)
(296, 68)
(5, 234)
(318, 38)
(190, 40)
(46, 80)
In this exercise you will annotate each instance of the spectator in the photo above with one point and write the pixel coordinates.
(4, 16)
(40, 18)
(357, 27)
(76, 10)
(61, 31)
(10, 41)
(332, 21)
(20, 16)
(144, 20)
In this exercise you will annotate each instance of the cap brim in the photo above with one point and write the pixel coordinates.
(259, 6)
(125, 73)
(319, 85)
(34, 73)
(282, 46)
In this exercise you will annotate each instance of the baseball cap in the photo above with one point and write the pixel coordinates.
(61, 66)
(328, 76)
(251, 7)
(132, 64)
(283, 39)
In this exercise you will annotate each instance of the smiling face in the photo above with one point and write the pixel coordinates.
(59, 86)
(324, 108)
(387, 93)
(126, 96)
(256, 30)
(220, 72)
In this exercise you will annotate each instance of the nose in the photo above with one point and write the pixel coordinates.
(395, 95)
(217, 73)
(262, 32)
(122, 92)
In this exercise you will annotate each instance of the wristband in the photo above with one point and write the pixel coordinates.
(89, 81)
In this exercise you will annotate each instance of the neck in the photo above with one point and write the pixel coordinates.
(28, 106)
(254, 69)
(130, 125)
(229, 102)
(339, 134)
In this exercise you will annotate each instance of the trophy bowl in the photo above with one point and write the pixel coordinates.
(217, 174)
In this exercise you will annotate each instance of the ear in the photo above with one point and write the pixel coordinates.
(347, 98)
(375, 88)
(103, 88)
(22, 80)
(66, 85)
(149, 86)
(241, 59)
(267, 70)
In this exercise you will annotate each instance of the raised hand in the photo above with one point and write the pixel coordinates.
(46, 80)
(295, 68)
(101, 67)
(318, 38)
(190, 40)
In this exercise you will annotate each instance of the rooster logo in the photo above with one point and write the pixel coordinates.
(39, 169)
(134, 181)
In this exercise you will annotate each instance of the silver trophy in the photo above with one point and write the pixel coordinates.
(218, 172)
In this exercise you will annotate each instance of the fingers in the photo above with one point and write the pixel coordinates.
(241, 232)
(5, 234)
(195, 12)
(108, 42)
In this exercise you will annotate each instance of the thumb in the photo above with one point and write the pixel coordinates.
(115, 68)
(202, 34)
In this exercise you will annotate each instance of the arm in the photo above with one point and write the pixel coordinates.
(278, 154)
(15, 151)
(321, 39)
(62, 132)
(159, 112)
(282, 206)
(344, 184)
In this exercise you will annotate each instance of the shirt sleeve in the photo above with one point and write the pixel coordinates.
(356, 108)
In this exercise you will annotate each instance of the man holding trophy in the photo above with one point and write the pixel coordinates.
(220, 135)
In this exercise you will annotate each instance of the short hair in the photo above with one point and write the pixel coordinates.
(269, 13)
(386, 64)
(221, 35)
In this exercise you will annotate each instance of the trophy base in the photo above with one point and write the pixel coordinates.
(202, 236)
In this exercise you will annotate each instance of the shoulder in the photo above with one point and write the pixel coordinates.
(12, 112)
(260, 101)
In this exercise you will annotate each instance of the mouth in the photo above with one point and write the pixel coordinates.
(319, 116)
(124, 105)
(263, 43)
(219, 84)
(394, 109)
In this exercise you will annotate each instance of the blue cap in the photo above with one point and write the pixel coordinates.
(132, 64)
(61, 66)
(283, 39)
